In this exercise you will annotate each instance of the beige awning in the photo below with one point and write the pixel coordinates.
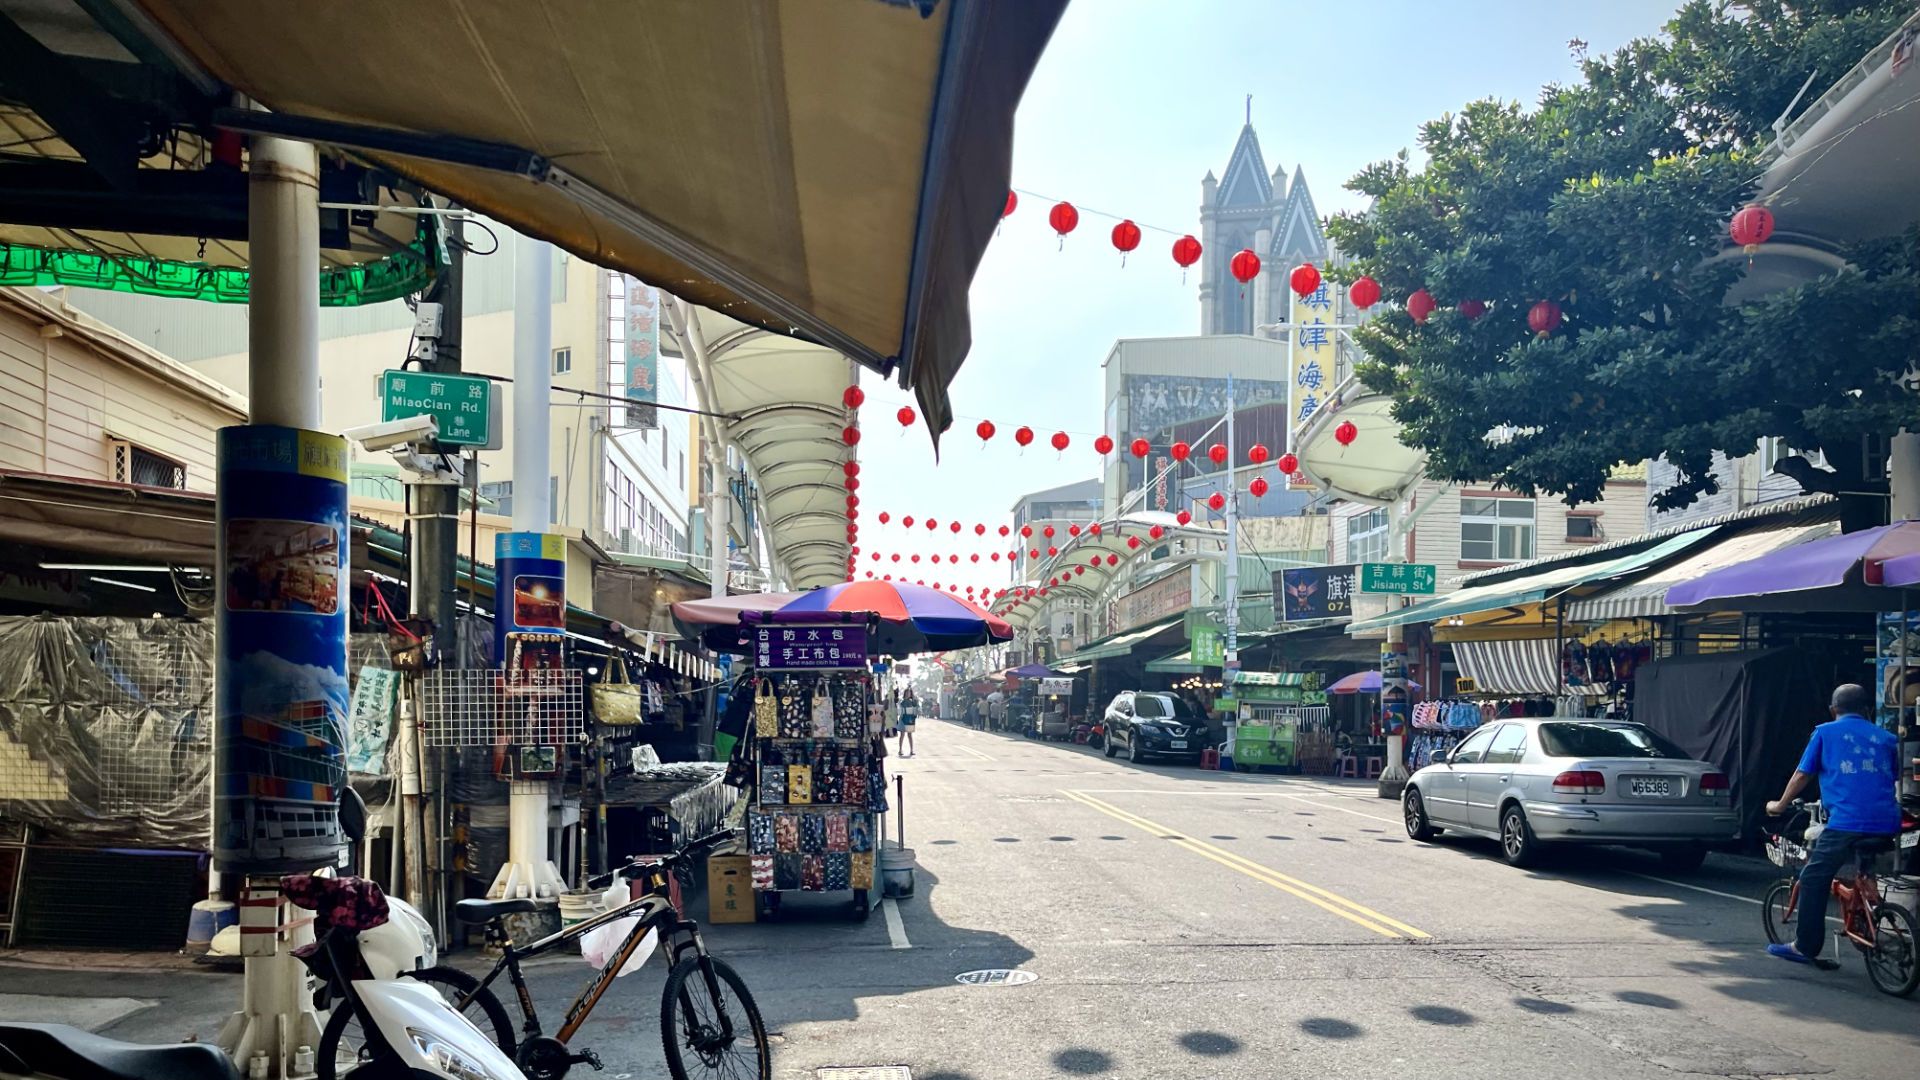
(831, 169)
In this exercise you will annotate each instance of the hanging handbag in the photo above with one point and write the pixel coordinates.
(766, 711)
(822, 711)
(799, 783)
(618, 700)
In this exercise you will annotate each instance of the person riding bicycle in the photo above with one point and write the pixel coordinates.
(1857, 764)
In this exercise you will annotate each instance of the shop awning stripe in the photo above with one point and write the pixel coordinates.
(1647, 597)
(1528, 666)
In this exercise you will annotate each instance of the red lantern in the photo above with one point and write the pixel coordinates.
(1133, 542)
(1751, 227)
(1180, 451)
(1244, 266)
(994, 555)
(1183, 517)
(1094, 528)
(975, 557)
(1026, 530)
(1012, 201)
(850, 436)
(1258, 486)
(1364, 292)
(1289, 463)
(1047, 532)
(1113, 560)
(1217, 454)
(1304, 279)
(851, 468)
(851, 483)
(1060, 440)
(1033, 553)
(1103, 445)
(1257, 453)
(1004, 530)
(1217, 501)
(887, 577)
(907, 521)
(1156, 532)
(896, 556)
(1073, 530)
(1053, 581)
(876, 556)
(1064, 218)
(905, 416)
(1140, 447)
(1186, 251)
(853, 396)
(884, 518)
(979, 530)
(1023, 435)
(984, 429)
(1421, 305)
(1346, 433)
(1544, 317)
(1126, 237)
(915, 558)
(954, 527)
(1472, 309)
(932, 524)
(853, 500)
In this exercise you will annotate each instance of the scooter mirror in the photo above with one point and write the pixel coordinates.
(353, 815)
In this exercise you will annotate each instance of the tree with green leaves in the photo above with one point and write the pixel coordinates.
(1611, 198)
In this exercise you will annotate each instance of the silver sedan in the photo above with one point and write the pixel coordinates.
(1561, 780)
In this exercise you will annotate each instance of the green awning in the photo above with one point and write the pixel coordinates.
(1117, 645)
(1532, 588)
(1180, 663)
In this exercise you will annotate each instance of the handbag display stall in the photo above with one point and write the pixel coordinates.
(618, 702)
(810, 819)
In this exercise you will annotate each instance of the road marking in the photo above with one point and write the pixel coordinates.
(1311, 801)
(970, 750)
(1695, 888)
(1327, 900)
(896, 929)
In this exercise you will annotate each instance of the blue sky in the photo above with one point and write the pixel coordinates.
(1133, 103)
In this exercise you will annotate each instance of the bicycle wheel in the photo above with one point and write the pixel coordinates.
(1894, 961)
(343, 1045)
(690, 1025)
(1778, 911)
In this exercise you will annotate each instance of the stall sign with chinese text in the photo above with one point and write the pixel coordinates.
(781, 647)
(1314, 592)
(1402, 578)
(1312, 357)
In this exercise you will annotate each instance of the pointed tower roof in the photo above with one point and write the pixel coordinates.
(1246, 183)
(1298, 234)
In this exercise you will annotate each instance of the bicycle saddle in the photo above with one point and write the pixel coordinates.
(1876, 846)
(479, 911)
(72, 1054)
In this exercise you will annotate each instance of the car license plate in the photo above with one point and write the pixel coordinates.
(1179, 744)
(1911, 839)
(1647, 785)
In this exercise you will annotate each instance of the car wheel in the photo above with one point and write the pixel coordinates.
(1419, 826)
(1517, 844)
(1106, 743)
(1133, 749)
(1683, 859)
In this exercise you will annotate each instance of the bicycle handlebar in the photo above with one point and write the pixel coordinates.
(637, 867)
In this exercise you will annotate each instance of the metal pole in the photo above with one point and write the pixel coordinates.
(1231, 663)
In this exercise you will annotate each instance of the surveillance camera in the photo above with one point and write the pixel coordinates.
(391, 433)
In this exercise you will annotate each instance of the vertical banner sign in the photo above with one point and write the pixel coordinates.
(1311, 360)
(1393, 687)
(530, 599)
(643, 353)
(280, 628)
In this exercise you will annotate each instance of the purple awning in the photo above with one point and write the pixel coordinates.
(1835, 574)
(1899, 572)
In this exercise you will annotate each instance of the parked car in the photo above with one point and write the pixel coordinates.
(1147, 724)
(1529, 783)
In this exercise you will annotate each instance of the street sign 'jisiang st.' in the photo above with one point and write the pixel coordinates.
(464, 407)
(1416, 579)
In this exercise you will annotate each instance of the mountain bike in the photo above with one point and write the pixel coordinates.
(708, 1020)
(1884, 933)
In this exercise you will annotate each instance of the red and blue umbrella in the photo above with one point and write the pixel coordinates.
(913, 618)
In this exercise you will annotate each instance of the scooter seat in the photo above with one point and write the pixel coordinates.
(479, 911)
(57, 1050)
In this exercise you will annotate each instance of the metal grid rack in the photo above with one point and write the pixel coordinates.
(486, 707)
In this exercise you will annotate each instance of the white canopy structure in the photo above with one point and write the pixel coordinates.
(1083, 570)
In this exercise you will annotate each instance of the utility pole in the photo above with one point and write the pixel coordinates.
(433, 579)
(1231, 662)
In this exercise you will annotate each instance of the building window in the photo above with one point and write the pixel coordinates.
(144, 468)
(560, 263)
(682, 472)
(1583, 526)
(562, 361)
(501, 492)
(1367, 537)
(1496, 530)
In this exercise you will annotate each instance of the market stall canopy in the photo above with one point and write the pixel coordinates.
(716, 622)
(1523, 666)
(1820, 575)
(1035, 671)
(913, 618)
(1647, 597)
(1363, 682)
(1119, 644)
(831, 170)
(1531, 588)
(1377, 466)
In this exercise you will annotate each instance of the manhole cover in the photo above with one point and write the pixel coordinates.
(865, 1072)
(995, 977)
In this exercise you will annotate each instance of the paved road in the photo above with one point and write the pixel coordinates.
(1193, 924)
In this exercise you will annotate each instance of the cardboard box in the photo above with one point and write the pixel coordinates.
(729, 889)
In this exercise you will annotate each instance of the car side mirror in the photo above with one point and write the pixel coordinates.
(1440, 757)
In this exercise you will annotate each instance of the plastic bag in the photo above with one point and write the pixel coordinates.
(599, 945)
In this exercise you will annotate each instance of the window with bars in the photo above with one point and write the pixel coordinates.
(1496, 530)
(133, 465)
(1367, 537)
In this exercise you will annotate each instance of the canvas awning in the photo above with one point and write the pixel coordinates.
(829, 170)
(1180, 663)
(1119, 644)
(1526, 666)
(1531, 588)
(1647, 597)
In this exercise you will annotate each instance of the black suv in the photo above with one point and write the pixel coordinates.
(1156, 724)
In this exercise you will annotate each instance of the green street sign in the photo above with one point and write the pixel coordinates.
(1207, 647)
(464, 407)
(1400, 578)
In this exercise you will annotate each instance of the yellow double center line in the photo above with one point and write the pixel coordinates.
(1358, 914)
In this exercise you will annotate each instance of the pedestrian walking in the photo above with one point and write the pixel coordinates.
(909, 710)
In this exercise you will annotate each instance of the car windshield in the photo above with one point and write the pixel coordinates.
(1606, 740)
(1157, 707)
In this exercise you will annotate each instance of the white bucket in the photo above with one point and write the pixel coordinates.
(896, 871)
(578, 907)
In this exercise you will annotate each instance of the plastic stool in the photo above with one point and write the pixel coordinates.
(1346, 765)
(1375, 766)
(1210, 758)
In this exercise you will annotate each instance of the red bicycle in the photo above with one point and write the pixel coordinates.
(1884, 933)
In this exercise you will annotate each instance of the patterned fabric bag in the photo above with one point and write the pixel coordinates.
(796, 719)
(786, 871)
(762, 868)
(799, 783)
(860, 876)
(813, 834)
(813, 873)
(839, 872)
(760, 840)
(860, 831)
(853, 785)
(766, 711)
(850, 709)
(786, 832)
(823, 723)
(773, 785)
(877, 791)
(837, 831)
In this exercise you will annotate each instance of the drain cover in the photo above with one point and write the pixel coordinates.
(995, 977)
(864, 1072)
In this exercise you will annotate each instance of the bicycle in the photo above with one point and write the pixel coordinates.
(1884, 933)
(697, 1023)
